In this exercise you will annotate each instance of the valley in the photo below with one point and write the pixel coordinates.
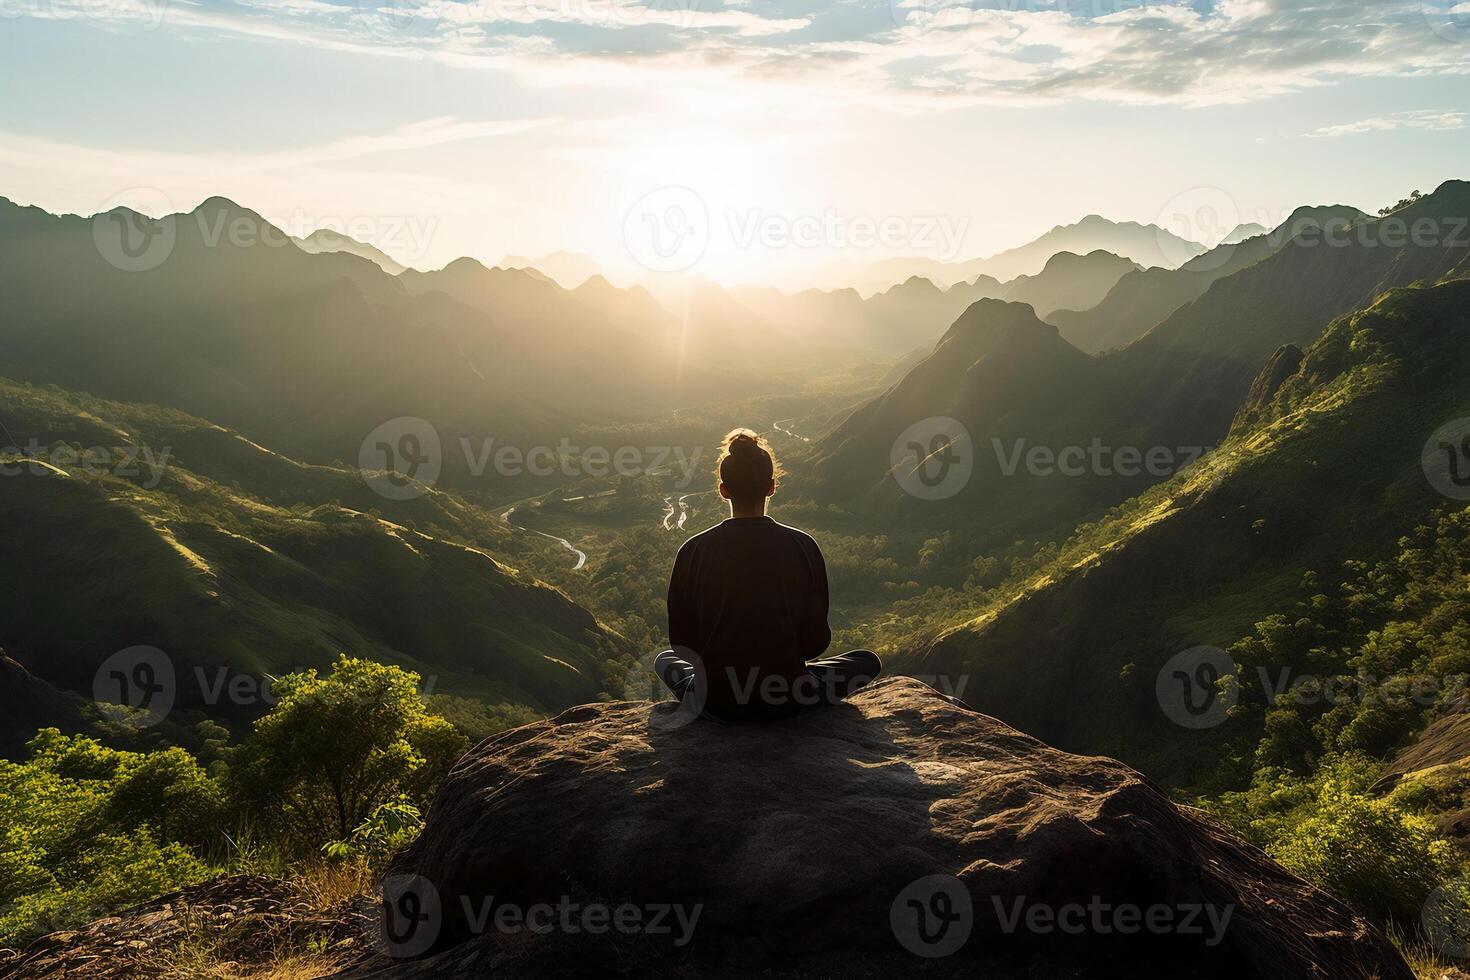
(800, 491)
(1034, 494)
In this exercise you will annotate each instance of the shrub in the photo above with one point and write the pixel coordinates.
(336, 747)
(1373, 852)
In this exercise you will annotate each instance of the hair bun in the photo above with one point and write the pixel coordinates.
(746, 465)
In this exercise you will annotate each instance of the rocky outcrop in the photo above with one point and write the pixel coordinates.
(234, 925)
(1257, 405)
(896, 833)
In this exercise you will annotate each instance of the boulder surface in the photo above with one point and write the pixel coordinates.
(899, 832)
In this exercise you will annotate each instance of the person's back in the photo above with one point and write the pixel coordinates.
(749, 595)
(748, 603)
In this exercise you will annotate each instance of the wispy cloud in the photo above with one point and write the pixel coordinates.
(1418, 119)
(923, 52)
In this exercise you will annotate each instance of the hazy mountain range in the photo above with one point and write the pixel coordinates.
(567, 269)
(1146, 245)
(264, 366)
(1008, 376)
(326, 240)
(1144, 297)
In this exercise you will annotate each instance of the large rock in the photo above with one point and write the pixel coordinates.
(811, 846)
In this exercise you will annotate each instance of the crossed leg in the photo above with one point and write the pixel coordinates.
(837, 677)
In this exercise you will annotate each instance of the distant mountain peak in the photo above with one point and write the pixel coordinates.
(465, 265)
(1145, 245)
(1243, 231)
(996, 320)
(216, 205)
(1098, 256)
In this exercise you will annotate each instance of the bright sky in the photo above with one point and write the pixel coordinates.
(737, 139)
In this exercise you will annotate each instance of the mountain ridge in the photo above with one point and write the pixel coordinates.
(1147, 245)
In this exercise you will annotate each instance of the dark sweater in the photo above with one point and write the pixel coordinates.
(748, 597)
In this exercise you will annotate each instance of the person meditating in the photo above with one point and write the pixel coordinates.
(748, 607)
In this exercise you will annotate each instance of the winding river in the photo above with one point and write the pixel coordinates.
(580, 555)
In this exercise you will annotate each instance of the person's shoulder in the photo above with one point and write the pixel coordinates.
(697, 541)
(801, 537)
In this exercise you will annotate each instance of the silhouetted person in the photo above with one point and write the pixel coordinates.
(748, 606)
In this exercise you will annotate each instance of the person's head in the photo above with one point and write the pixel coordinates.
(748, 472)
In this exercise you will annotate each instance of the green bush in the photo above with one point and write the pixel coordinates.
(88, 829)
(1376, 853)
(336, 747)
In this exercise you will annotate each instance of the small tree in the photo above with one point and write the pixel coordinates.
(335, 748)
(1417, 195)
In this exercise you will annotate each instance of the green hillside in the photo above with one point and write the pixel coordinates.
(1175, 390)
(232, 556)
(1330, 472)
